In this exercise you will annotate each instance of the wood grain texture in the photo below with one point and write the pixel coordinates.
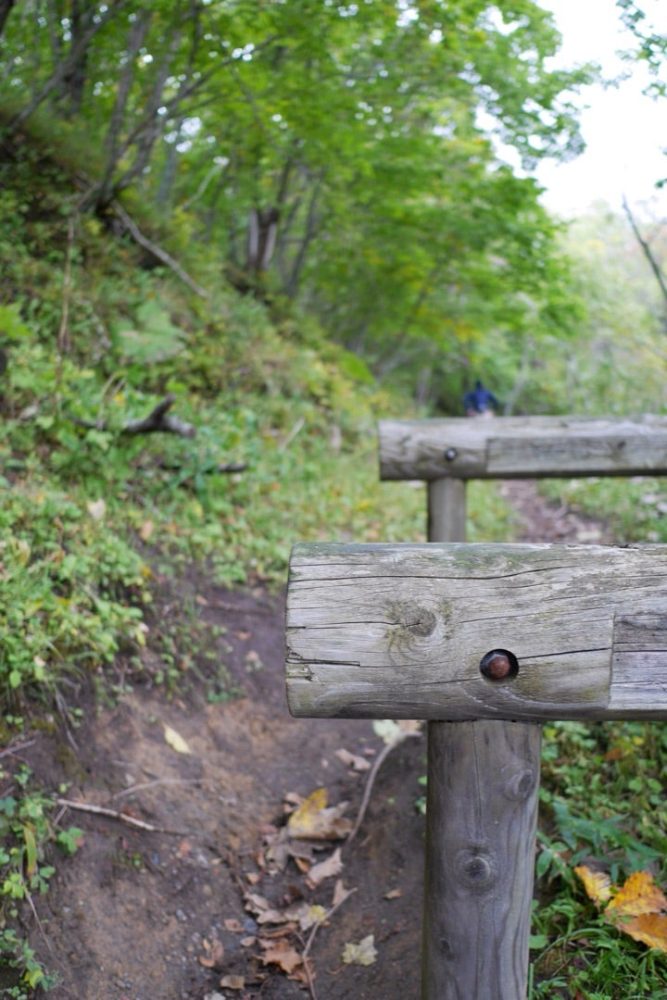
(398, 631)
(447, 510)
(639, 666)
(483, 783)
(522, 447)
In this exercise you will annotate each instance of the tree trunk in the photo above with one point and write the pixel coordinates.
(61, 71)
(74, 80)
(5, 9)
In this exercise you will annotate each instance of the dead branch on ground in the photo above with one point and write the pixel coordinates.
(158, 420)
(156, 251)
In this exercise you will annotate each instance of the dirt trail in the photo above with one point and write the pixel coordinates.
(136, 915)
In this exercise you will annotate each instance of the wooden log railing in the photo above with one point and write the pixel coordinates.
(485, 643)
(459, 632)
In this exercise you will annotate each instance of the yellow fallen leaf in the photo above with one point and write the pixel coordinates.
(313, 820)
(175, 740)
(363, 953)
(596, 884)
(649, 928)
(637, 908)
(639, 895)
(309, 808)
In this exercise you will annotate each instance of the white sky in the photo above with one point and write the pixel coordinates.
(625, 132)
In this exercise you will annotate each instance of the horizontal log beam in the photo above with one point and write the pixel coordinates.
(400, 631)
(522, 447)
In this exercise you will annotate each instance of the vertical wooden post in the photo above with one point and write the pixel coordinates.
(483, 784)
(447, 510)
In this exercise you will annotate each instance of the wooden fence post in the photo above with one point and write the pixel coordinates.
(459, 636)
(425, 631)
(481, 820)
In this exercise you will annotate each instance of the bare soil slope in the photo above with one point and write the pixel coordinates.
(144, 915)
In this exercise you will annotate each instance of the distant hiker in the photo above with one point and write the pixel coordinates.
(480, 402)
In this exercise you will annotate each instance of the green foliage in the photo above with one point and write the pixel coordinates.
(634, 509)
(69, 589)
(384, 186)
(602, 797)
(26, 832)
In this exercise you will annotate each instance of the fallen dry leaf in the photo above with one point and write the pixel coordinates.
(639, 895)
(280, 953)
(234, 926)
(331, 866)
(256, 903)
(393, 894)
(637, 908)
(394, 731)
(233, 982)
(352, 760)
(175, 740)
(214, 954)
(314, 820)
(363, 953)
(596, 884)
(649, 928)
(314, 914)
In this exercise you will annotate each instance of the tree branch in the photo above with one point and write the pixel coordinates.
(158, 420)
(648, 253)
(157, 251)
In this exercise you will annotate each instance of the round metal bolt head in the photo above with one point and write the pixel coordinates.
(499, 665)
(451, 454)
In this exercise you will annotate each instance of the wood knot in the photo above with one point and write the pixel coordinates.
(411, 615)
(520, 785)
(476, 868)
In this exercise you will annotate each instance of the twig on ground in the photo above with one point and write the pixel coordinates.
(114, 814)
(158, 420)
(15, 749)
(157, 251)
(311, 938)
(226, 467)
(38, 921)
(158, 781)
(370, 781)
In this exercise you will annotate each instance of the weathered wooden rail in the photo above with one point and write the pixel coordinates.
(522, 447)
(485, 642)
(461, 632)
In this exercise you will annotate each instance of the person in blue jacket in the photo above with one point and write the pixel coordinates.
(480, 401)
